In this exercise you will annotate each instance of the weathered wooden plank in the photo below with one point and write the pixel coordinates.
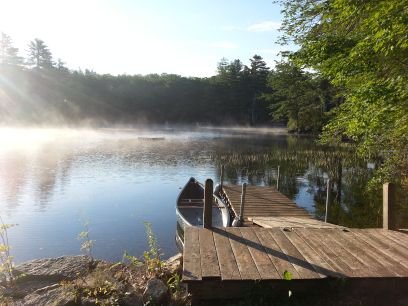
(360, 251)
(191, 255)
(262, 261)
(246, 265)
(332, 241)
(275, 254)
(292, 222)
(386, 246)
(326, 252)
(398, 237)
(316, 261)
(226, 259)
(306, 271)
(263, 201)
(382, 255)
(209, 259)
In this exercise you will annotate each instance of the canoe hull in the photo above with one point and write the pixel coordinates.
(190, 206)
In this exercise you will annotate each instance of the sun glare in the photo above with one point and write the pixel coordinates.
(29, 139)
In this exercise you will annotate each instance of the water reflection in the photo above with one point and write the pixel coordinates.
(50, 180)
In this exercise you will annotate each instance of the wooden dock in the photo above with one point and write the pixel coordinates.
(262, 202)
(235, 257)
(286, 242)
(291, 222)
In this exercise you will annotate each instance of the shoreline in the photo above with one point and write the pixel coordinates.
(81, 280)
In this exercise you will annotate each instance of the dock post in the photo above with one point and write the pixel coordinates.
(241, 209)
(208, 200)
(222, 176)
(277, 180)
(389, 215)
(327, 200)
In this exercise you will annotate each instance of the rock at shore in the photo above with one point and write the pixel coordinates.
(63, 268)
(57, 296)
(78, 280)
(156, 291)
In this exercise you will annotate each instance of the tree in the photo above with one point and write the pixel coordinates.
(257, 74)
(39, 55)
(8, 53)
(229, 73)
(301, 98)
(362, 47)
(61, 66)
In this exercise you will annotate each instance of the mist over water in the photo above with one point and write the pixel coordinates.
(52, 181)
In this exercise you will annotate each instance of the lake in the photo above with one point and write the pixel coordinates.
(55, 183)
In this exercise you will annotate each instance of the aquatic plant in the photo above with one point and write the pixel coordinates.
(6, 260)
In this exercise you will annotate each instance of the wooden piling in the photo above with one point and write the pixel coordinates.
(208, 199)
(241, 209)
(327, 200)
(222, 176)
(389, 207)
(277, 180)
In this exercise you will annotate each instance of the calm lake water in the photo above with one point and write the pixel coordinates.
(54, 181)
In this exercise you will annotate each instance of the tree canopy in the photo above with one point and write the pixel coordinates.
(361, 47)
(39, 55)
(8, 53)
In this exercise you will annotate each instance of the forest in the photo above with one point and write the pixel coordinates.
(39, 90)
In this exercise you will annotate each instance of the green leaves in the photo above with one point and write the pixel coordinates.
(361, 46)
(287, 275)
(302, 98)
(87, 243)
(6, 260)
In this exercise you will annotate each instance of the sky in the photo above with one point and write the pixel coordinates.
(182, 37)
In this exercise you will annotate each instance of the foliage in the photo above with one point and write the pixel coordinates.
(99, 286)
(87, 243)
(39, 55)
(133, 260)
(301, 98)
(152, 256)
(6, 260)
(287, 275)
(8, 53)
(362, 47)
(174, 283)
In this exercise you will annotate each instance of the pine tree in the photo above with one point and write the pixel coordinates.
(8, 53)
(258, 74)
(39, 55)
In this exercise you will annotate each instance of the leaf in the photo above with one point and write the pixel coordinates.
(287, 275)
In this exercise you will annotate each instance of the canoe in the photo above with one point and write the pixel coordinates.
(190, 208)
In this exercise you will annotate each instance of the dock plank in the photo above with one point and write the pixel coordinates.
(246, 264)
(254, 253)
(398, 237)
(343, 250)
(395, 252)
(290, 222)
(385, 258)
(317, 262)
(262, 261)
(191, 255)
(262, 201)
(326, 252)
(304, 268)
(226, 259)
(209, 259)
(275, 254)
(361, 251)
